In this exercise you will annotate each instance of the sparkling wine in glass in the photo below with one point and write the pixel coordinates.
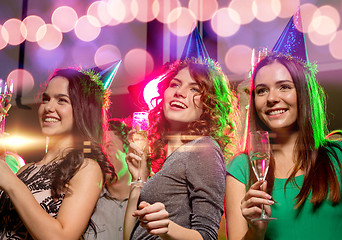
(259, 156)
(139, 137)
(257, 55)
(6, 90)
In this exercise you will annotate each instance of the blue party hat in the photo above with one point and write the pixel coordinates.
(292, 40)
(194, 47)
(107, 73)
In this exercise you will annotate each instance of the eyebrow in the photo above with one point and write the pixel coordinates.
(277, 82)
(192, 83)
(57, 95)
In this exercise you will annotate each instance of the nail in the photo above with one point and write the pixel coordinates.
(268, 196)
(270, 202)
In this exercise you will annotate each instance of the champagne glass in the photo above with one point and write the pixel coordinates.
(139, 137)
(257, 55)
(6, 90)
(259, 155)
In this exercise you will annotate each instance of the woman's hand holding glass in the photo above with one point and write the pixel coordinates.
(137, 161)
(138, 149)
(259, 155)
(251, 205)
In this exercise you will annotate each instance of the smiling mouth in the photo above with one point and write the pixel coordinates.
(50, 120)
(276, 112)
(177, 104)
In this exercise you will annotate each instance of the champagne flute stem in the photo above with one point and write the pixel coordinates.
(139, 168)
(263, 213)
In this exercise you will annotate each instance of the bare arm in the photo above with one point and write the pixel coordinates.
(134, 156)
(241, 207)
(129, 219)
(75, 210)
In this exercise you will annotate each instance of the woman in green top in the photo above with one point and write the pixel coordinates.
(303, 184)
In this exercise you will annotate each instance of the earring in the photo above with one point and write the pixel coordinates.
(46, 144)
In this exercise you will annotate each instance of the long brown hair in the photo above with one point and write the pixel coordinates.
(218, 105)
(311, 150)
(90, 124)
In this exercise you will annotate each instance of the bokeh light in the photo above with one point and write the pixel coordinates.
(33, 23)
(87, 28)
(52, 37)
(243, 8)
(238, 59)
(147, 10)
(107, 54)
(266, 10)
(4, 37)
(16, 31)
(131, 11)
(323, 26)
(335, 46)
(288, 8)
(326, 20)
(165, 8)
(319, 39)
(138, 62)
(99, 10)
(225, 22)
(203, 9)
(181, 21)
(307, 11)
(117, 10)
(21, 79)
(64, 18)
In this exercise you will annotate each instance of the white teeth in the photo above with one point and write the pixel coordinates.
(178, 104)
(276, 112)
(50, 120)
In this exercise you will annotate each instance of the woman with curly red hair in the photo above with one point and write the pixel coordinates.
(189, 138)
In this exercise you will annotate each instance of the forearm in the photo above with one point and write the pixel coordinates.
(129, 220)
(177, 232)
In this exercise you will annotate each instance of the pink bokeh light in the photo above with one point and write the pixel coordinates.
(65, 18)
(225, 22)
(87, 28)
(181, 21)
(107, 54)
(21, 78)
(203, 9)
(16, 31)
(238, 59)
(52, 37)
(138, 63)
(33, 23)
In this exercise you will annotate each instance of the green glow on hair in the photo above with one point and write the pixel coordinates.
(318, 107)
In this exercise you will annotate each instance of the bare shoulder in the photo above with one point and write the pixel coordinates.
(89, 174)
(90, 166)
(89, 162)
